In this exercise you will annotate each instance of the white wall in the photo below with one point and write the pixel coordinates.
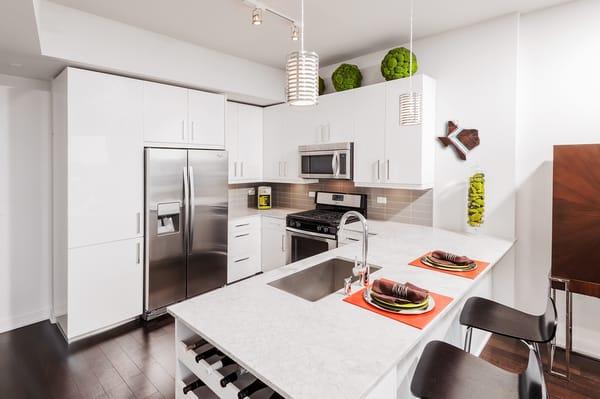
(559, 88)
(86, 40)
(25, 247)
(476, 73)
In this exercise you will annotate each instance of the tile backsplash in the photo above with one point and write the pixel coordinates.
(405, 206)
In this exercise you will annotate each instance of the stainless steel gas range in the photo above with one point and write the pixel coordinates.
(315, 231)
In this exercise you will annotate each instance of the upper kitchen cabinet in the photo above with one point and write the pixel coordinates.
(285, 128)
(104, 157)
(244, 142)
(334, 117)
(206, 119)
(181, 117)
(165, 113)
(386, 153)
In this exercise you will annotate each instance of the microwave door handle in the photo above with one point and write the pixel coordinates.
(334, 163)
(336, 171)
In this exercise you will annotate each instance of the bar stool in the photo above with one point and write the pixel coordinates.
(446, 372)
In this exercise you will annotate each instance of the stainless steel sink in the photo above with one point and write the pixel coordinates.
(318, 281)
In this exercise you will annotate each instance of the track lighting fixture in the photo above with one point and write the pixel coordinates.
(257, 16)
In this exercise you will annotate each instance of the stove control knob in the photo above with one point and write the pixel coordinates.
(319, 228)
(298, 224)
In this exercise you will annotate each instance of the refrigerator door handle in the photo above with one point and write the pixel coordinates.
(192, 207)
(186, 203)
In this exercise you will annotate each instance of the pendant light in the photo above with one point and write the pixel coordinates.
(411, 102)
(302, 72)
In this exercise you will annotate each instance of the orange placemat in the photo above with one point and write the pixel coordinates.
(472, 274)
(419, 321)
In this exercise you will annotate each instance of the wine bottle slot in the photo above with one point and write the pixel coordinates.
(250, 389)
(196, 345)
(233, 376)
(194, 385)
(223, 362)
(207, 353)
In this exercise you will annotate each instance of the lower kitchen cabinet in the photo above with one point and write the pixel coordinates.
(273, 243)
(244, 248)
(105, 284)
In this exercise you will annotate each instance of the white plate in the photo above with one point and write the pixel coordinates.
(429, 308)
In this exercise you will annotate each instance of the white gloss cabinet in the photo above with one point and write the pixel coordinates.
(105, 158)
(179, 117)
(106, 282)
(97, 200)
(244, 142)
(273, 243)
(243, 248)
(165, 113)
(206, 119)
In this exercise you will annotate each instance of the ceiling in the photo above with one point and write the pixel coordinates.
(336, 29)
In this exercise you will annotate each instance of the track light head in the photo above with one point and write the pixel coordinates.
(257, 16)
(295, 32)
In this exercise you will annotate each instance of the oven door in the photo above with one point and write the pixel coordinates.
(326, 164)
(304, 244)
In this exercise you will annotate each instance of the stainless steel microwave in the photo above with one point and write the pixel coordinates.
(326, 161)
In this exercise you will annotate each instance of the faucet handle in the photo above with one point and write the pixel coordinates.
(357, 269)
(348, 286)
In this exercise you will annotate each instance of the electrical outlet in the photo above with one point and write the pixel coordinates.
(251, 191)
(382, 200)
(311, 194)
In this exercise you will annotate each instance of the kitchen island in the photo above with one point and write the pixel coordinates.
(330, 348)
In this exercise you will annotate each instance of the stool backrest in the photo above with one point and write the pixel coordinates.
(531, 381)
(549, 321)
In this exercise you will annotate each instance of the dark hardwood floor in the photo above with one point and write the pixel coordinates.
(137, 361)
(512, 355)
(133, 361)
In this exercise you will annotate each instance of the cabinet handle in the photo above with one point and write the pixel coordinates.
(282, 243)
(388, 169)
(242, 235)
(138, 254)
(242, 168)
(242, 225)
(352, 239)
(192, 130)
(285, 168)
(241, 260)
(183, 130)
(279, 168)
(378, 170)
(234, 168)
(139, 223)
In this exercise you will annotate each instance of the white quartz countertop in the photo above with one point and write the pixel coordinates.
(330, 348)
(279, 213)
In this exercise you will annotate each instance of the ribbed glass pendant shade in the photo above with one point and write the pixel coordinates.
(410, 109)
(302, 71)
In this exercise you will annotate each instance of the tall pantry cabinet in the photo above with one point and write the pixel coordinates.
(98, 200)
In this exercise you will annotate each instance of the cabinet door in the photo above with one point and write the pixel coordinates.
(369, 132)
(403, 155)
(250, 142)
(338, 119)
(273, 244)
(165, 113)
(275, 124)
(207, 119)
(105, 158)
(105, 285)
(231, 139)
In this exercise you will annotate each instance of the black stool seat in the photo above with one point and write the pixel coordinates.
(496, 318)
(446, 372)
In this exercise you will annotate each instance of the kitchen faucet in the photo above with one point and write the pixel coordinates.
(364, 269)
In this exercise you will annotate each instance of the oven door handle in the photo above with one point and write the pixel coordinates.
(310, 233)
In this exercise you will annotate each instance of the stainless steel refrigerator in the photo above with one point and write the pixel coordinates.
(186, 225)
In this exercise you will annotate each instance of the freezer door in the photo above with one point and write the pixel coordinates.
(166, 184)
(207, 249)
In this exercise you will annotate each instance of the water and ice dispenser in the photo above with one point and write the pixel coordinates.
(169, 218)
